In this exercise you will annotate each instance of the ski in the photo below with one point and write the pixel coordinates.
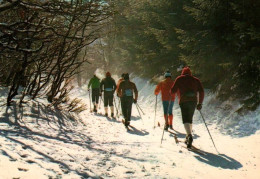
(175, 136)
(192, 149)
(127, 127)
(195, 150)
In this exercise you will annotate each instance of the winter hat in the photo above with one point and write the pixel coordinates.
(186, 71)
(167, 74)
(126, 76)
(123, 74)
(108, 74)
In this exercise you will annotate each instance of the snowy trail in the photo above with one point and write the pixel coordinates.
(48, 145)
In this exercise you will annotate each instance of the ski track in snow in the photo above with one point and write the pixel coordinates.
(48, 144)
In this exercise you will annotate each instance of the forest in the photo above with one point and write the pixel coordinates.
(46, 44)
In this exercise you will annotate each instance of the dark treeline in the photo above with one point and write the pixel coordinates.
(218, 39)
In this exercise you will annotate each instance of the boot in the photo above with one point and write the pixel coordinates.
(189, 141)
(166, 127)
(106, 110)
(95, 108)
(112, 111)
(126, 123)
(186, 140)
(170, 118)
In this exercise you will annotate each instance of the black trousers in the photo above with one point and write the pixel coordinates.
(187, 111)
(126, 106)
(95, 95)
(108, 98)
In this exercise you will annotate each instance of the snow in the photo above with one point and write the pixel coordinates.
(53, 144)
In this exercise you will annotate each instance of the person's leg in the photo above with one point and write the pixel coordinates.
(110, 102)
(93, 99)
(112, 111)
(129, 108)
(184, 113)
(187, 110)
(106, 103)
(95, 95)
(165, 111)
(124, 107)
(170, 115)
(192, 107)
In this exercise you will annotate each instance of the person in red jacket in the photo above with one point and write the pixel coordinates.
(188, 87)
(167, 98)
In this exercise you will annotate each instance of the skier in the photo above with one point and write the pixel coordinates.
(187, 87)
(125, 92)
(108, 85)
(95, 85)
(167, 98)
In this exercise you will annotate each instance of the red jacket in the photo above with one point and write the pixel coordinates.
(187, 87)
(165, 88)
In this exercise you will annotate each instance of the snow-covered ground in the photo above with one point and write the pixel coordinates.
(51, 144)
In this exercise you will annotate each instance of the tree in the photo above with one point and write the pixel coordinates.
(43, 40)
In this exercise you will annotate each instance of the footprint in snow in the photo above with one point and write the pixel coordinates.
(23, 169)
(30, 161)
(24, 155)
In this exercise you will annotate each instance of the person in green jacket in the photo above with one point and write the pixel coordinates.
(95, 85)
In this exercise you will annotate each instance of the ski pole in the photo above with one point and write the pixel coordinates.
(102, 99)
(155, 111)
(115, 105)
(208, 131)
(139, 112)
(99, 102)
(119, 103)
(163, 134)
(140, 108)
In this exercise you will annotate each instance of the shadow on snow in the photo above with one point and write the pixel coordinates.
(133, 130)
(220, 160)
(66, 133)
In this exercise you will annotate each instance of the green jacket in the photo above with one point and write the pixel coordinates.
(94, 82)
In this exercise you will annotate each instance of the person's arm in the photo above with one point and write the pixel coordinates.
(90, 82)
(101, 86)
(135, 92)
(157, 89)
(201, 92)
(119, 89)
(174, 87)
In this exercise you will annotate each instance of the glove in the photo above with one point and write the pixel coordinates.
(135, 101)
(88, 89)
(199, 106)
(100, 94)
